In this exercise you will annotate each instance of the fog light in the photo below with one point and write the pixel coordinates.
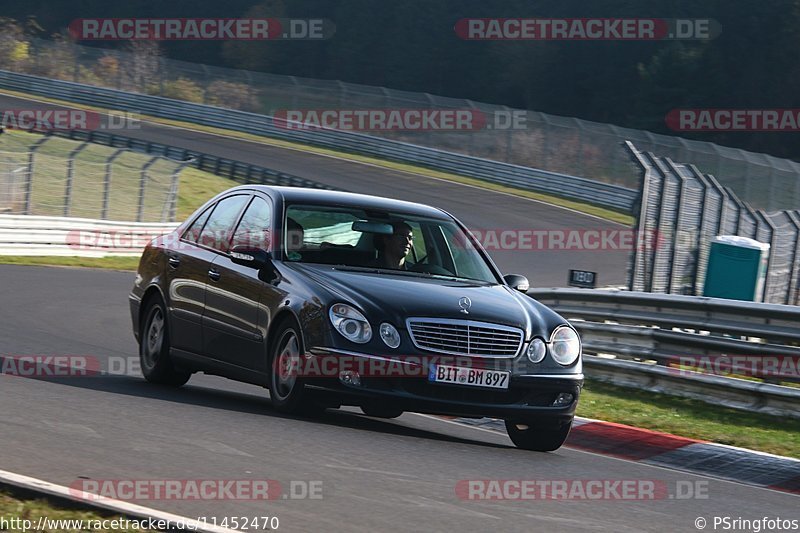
(563, 399)
(350, 377)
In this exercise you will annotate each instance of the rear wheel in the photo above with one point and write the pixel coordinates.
(538, 436)
(286, 388)
(154, 356)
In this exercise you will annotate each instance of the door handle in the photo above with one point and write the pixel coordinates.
(174, 262)
(213, 274)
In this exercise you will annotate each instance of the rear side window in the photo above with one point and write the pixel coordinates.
(217, 232)
(255, 229)
(193, 233)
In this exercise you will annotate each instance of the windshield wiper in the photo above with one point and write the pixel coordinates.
(412, 273)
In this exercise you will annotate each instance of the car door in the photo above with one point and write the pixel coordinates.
(186, 275)
(236, 316)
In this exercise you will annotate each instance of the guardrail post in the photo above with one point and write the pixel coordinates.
(142, 185)
(71, 177)
(107, 183)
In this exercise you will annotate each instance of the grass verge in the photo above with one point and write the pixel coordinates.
(13, 507)
(601, 212)
(110, 263)
(691, 418)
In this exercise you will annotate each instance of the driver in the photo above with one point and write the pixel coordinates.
(393, 249)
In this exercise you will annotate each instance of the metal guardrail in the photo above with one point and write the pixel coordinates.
(238, 171)
(40, 235)
(571, 187)
(687, 345)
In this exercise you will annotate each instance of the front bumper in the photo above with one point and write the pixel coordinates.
(529, 396)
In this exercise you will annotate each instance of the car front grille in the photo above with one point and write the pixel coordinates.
(465, 337)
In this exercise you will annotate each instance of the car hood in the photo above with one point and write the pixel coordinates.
(396, 297)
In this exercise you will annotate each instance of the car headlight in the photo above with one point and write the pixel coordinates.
(565, 345)
(537, 350)
(389, 335)
(350, 323)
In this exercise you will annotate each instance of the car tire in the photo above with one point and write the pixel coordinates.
(381, 411)
(154, 347)
(287, 390)
(539, 437)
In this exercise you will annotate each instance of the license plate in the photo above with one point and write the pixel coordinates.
(473, 377)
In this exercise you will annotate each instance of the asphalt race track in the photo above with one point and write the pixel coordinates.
(376, 475)
(479, 209)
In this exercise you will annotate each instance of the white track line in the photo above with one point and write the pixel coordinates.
(107, 504)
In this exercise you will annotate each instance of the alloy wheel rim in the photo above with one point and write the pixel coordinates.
(154, 339)
(287, 365)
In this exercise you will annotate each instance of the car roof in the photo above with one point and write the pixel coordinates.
(348, 199)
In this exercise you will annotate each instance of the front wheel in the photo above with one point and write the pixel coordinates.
(154, 356)
(539, 437)
(286, 388)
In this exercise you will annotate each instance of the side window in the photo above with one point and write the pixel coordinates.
(255, 229)
(193, 233)
(218, 229)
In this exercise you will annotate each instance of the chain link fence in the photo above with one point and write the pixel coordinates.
(553, 143)
(52, 176)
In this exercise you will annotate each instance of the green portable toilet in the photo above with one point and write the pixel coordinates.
(737, 268)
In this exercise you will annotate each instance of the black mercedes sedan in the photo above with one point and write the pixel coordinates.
(331, 298)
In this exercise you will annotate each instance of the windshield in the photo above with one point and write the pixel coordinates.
(353, 237)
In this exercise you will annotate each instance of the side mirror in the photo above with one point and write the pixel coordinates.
(515, 281)
(251, 257)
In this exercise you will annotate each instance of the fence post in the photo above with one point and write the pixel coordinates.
(640, 227)
(794, 274)
(173, 191)
(581, 171)
(676, 239)
(29, 180)
(773, 235)
(70, 177)
(142, 185)
(107, 183)
(702, 224)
